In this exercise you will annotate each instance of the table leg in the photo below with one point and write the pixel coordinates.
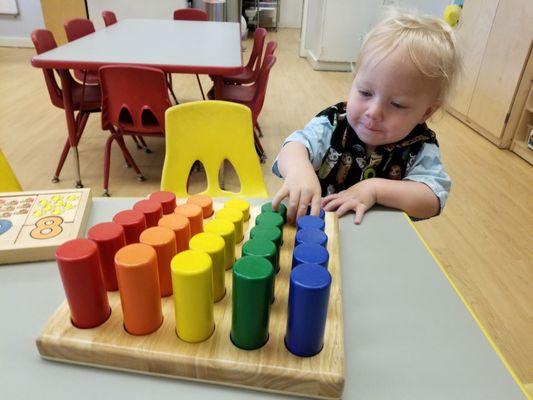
(72, 125)
(219, 82)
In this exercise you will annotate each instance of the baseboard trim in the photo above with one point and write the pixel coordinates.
(327, 65)
(12, 41)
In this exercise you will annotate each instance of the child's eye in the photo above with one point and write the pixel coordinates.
(397, 105)
(365, 93)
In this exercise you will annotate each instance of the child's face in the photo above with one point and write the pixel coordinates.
(389, 99)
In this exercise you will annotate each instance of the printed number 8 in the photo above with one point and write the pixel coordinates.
(47, 228)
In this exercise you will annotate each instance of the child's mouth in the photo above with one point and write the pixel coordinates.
(370, 128)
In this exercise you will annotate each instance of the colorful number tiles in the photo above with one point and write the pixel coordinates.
(34, 224)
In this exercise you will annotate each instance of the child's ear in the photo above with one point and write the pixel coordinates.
(430, 111)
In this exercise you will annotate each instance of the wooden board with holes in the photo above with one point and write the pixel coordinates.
(216, 360)
(34, 223)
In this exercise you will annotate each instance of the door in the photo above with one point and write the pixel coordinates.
(503, 62)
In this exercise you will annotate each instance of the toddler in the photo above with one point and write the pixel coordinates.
(376, 148)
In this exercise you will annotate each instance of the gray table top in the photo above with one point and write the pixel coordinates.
(407, 333)
(174, 46)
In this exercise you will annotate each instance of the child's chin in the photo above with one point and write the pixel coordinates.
(371, 139)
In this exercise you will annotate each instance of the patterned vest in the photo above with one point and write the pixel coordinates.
(346, 162)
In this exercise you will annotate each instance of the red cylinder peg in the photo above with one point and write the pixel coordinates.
(109, 238)
(79, 267)
(167, 200)
(133, 222)
(152, 210)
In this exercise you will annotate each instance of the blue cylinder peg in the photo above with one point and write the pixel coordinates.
(310, 221)
(311, 236)
(308, 309)
(310, 254)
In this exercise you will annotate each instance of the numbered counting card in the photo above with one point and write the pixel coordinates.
(34, 224)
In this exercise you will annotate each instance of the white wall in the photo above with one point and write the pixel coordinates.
(133, 9)
(315, 23)
(16, 30)
(334, 29)
(290, 13)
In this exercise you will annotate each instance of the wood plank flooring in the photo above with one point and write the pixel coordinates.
(483, 238)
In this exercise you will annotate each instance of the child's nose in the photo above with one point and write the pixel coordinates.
(374, 111)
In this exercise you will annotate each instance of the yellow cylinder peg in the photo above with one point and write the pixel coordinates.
(213, 245)
(241, 205)
(192, 283)
(235, 216)
(226, 230)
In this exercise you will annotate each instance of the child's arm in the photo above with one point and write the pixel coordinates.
(301, 183)
(415, 198)
(422, 193)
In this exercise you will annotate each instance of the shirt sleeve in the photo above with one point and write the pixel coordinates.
(427, 168)
(315, 136)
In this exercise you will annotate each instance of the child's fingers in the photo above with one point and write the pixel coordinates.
(315, 205)
(360, 210)
(303, 203)
(280, 195)
(302, 207)
(292, 207)
(347, 205)
(335, 203)
(327, 199)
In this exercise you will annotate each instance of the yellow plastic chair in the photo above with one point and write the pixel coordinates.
(210, 132)
(8, 180)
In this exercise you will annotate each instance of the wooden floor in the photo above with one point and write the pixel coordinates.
(483, 238)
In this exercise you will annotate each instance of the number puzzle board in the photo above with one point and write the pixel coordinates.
(216, 360)
(34, 224)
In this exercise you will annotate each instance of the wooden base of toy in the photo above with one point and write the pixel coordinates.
(216, 360)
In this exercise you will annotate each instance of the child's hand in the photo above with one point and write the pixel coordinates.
(302, 188)
(360, 197)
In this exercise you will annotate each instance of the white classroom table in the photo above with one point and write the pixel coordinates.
(407, 333)
(196, 47)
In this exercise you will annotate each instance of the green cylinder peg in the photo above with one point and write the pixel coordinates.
(252, 282)
(282, 210)
(262, 248)
(266, 249)
(271, 233)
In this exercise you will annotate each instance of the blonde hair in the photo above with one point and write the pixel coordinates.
(429, 41)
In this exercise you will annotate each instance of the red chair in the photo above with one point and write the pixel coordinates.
(86, 98)
(253, 96)
(251, 70)
(109, 18)
(134, 100)
(191, 14)
(75, 29)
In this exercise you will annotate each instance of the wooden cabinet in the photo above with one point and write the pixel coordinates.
(494, 38)
(524, 126)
